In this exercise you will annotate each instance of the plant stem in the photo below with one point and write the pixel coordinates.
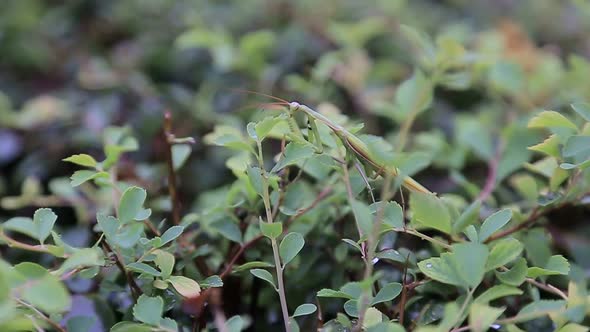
(424, 237)
(135, 289)
(275, 248)
(281, 285)
(53, 324)
(171, 175)
(372, 241)
(17, 244)
(402, 136)
(173, 192)
(464, 307)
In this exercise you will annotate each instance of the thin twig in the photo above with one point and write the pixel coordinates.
(423, 236)
(532, 218)
(404, 298)
(219, 318)
(135, 289)
(169, 139)
(53, 324)
(29, 247)
(273, 241)
(172, 190)
(547, 287)
(464, 307)
(490, 183)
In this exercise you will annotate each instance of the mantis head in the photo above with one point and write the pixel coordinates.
(294, 106)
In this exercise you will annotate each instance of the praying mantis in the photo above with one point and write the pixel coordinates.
(351, 142)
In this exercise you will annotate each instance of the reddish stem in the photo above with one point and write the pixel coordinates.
(172, 189)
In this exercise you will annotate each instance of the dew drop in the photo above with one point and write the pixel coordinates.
(429, 265)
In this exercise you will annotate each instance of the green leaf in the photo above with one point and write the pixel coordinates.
(392, 255)
(82, 258)
(325, 292)
(353, 244)
(185, 286)
(264, 275)
(264, 127)
(180, 153)
(493, 223)
(143, 268)
(271, 230)
(539, 309)
(582, 166)
(550, 146)
(165, 262)
(556, 265)
(43, 220)
(351, 308)
(22, 225)
(572, 327)
(82, 160)
(430, 211)
(392, 213)
(131, 327)
(131, 203)
(108, 224)
(80, 177)
(583, 109)
(469, 216)
(516, 275)
(212, 281)
(160, 284)
(414, 95)
(149, 309)
(171, 234)
(551, 119)
(41, 289)
(235, 324)
(294, 153)
(450, 267)
(363, 216)
(506, 77)
(290, 246)
(504, 252)
(421, 44)
(577, 146)
(482, 316)
(80, 323)
(255, 177)
(304, 309)
(387, 293)
(252, 265)
(128, 235)
(497, 292)
(386, 327)
(229, 137)
(372, 318)
(228, 229)
(168, 324)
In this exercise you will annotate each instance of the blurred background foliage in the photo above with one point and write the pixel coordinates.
(69, 69)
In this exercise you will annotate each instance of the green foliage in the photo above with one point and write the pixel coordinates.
(299, 218)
